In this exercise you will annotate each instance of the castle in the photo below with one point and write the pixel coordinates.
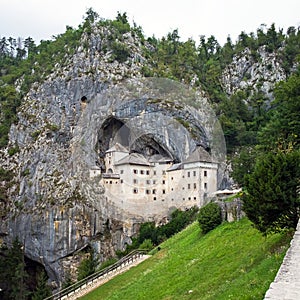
(136, 181)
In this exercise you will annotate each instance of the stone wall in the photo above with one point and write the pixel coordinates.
(231, 211)
(286, 284)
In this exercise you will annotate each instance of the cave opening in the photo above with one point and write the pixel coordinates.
(32, 274)
(115, 131)
(112, 131)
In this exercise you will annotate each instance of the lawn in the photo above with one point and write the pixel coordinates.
(234, 261)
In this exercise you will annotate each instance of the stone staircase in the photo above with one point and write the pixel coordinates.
(93, 281)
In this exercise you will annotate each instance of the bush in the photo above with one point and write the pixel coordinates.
(209, 217)
(88, 265)
(120, 52)
(146, 245)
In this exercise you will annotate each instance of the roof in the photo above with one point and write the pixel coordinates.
(198, 155)
(175, 167)
(133, 159)
(158, 158)
(117, 148)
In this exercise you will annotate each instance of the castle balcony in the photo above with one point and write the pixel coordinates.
(111, 175)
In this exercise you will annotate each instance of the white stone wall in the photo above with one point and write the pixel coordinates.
(151, 190)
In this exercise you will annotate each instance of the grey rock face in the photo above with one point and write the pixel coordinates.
(68, 122)
(246, 72)
(56, 209)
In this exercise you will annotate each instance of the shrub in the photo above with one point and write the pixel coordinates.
(209, 217)
(146, 245)
(88, 265)
(120, 52)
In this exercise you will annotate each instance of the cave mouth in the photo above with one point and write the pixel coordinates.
(34, 274)
(112, 131)
(115, 131)
(149, 146)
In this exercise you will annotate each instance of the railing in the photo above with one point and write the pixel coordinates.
(64, 293)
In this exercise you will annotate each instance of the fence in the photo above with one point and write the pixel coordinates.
(129, 258)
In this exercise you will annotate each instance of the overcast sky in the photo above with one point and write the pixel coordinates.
(41, 19)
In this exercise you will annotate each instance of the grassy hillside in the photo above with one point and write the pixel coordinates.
(232, 262)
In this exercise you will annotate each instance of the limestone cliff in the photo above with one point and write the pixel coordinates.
(66, 124)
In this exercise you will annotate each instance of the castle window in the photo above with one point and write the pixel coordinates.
(189, 186)
(172, 178)
(142, 172)
(194, 173)
(154, 198)
(147, 172)
(154, 181)
(148, 192)
(110, 182)
(135, 191)
(135, 171)
(205, 173)
(163, 191)
(122, 171)
(153, 191)
(189, 174)
(121, 180)
(164, 182)
(205, 185)
(164, 172)
(195, 186)
(135, 181)
(154, 172)
(195, 198)
(189, 198)
(148, 181)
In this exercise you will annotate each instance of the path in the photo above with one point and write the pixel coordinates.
(286, 285)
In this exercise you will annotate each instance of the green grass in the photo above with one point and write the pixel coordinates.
(234, 261)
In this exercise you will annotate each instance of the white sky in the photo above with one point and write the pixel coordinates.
(41, 19)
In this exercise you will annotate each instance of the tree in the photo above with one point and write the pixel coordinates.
(88, 265)
(12, 272)
(91, 16)
(243, 163)
(284, 124)
(42, 289)
(271, 200)
(148, 231)
(209, 217)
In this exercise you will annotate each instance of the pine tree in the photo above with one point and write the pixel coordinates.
(42, 289)
(272, 198)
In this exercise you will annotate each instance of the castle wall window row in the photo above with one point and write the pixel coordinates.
(193, 179)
